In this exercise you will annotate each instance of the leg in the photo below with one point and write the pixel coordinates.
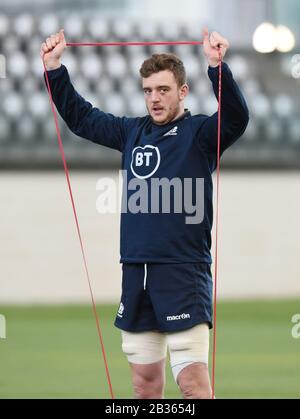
(148, 380)
(146, 353)
(189, 361)
(194, 381)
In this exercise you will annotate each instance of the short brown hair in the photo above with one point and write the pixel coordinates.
(161, 62)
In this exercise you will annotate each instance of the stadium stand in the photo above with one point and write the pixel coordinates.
(109, 78)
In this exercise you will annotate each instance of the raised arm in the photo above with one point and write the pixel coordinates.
(81, 117)
(234, 110)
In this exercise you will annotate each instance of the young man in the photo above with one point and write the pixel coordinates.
(167, 286)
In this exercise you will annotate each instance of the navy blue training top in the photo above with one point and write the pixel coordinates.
(185, 148)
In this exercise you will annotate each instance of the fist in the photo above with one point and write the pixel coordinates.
(52, 50)
(215, 47)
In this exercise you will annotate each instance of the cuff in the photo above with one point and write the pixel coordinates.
(58, 72)
(213, 72)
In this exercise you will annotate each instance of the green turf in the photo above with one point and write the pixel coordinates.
(53, 352)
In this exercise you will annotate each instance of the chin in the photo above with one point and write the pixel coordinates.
(160, 120)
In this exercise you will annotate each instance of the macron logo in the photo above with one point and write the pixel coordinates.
(179, 317)
(173, 131)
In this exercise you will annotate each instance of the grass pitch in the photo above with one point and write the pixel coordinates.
(53, 352)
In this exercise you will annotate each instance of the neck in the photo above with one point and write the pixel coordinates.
(179, 114)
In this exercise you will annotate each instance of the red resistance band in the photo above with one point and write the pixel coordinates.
(75, 212)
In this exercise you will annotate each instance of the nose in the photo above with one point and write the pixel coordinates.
(155, 97)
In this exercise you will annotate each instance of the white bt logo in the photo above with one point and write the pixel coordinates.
(145, 161)
(139, 158)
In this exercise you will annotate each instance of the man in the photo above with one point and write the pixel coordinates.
(167, 286)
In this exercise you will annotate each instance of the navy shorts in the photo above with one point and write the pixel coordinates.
(165, 297)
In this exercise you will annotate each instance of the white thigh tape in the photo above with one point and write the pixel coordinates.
(187, 347)
(144, 347)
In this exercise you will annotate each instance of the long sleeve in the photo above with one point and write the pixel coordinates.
(81, 117)
(234, 113)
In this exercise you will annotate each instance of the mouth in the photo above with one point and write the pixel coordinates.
(157, 110)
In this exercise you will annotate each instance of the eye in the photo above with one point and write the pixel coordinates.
(164, 90)
(147, 91)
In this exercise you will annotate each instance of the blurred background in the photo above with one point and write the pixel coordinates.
(40, 260)
(108, 76)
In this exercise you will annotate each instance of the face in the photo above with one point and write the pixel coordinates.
(164, 99)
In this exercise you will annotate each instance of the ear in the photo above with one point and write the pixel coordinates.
(184, 91)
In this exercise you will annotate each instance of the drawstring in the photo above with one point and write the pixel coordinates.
(145, 276)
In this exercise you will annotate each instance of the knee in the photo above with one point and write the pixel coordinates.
(146, 354)
(148, 388)
(193, 390)
(194, 382)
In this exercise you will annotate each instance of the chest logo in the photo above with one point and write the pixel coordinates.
(145, 161)
(173, 131)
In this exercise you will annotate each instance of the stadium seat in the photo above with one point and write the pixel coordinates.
(108, 77)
